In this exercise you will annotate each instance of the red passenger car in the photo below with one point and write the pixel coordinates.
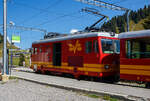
(135, 56)
(94, 54)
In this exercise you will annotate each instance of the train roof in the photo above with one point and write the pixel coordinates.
(134, 34)
(76, 36)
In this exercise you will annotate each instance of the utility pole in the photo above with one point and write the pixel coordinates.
(128, 25)
(4, 76)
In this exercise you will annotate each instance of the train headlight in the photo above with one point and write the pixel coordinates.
(106, 66)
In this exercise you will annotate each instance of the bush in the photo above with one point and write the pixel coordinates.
(21, 59)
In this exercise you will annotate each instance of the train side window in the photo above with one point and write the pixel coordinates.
(88, 46)
(48, 50)
(137, 49)
(35, 50)
(95, 46)
(40, 49)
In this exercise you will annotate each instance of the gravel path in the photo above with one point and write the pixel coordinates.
(103, 88)
(20, 90)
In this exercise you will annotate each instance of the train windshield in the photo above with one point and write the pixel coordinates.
(138, 48)
(110, 46)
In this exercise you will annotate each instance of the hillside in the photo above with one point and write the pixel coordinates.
(138, 26)
(138, 19)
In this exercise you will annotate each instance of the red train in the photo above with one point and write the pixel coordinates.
(94, 54)
(135, 56)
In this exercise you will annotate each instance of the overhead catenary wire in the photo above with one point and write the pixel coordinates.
(94, 12)
(29, 6)
(119, 2)
(106, 5)
(26, 28)
(41, 12)
(57, 18)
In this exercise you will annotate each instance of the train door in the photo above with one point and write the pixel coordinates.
(57, 54)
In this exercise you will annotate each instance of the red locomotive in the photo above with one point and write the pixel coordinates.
(94, 54)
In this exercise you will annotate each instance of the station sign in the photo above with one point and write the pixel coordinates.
(15, 39)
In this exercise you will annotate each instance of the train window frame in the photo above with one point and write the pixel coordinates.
(116, 46)
(106, 46)
(134, 49)
(40, 50)
(48, 49)
(35, 50)
(95, 46)
(88, 47)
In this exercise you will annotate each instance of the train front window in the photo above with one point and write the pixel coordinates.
(110, 46)
(138, 48)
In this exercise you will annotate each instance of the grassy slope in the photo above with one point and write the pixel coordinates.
(138, 26)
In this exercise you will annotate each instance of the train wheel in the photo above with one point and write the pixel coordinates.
(148, 85)
(77, 77)
(38, 71)
(116, 78)
(42, 71)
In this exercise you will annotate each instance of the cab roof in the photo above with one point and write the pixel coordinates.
(134, 34)
(76, 36)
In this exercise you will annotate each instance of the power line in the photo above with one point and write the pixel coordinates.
(119, 1)
(26, 28)
(28, 6)
(103, 4)
(41, 12)
(59, 17)
(95, 12)
(108, 6)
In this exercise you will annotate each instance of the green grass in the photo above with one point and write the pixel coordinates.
(138, 26)
(93, 96)
(107, 97)
(3, 82)
(12, 77)
(27, 60)
(17, 59)
(16, 80)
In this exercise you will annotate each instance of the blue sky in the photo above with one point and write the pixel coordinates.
(55, 16)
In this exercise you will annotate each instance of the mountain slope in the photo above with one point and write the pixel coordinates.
(118, 23)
